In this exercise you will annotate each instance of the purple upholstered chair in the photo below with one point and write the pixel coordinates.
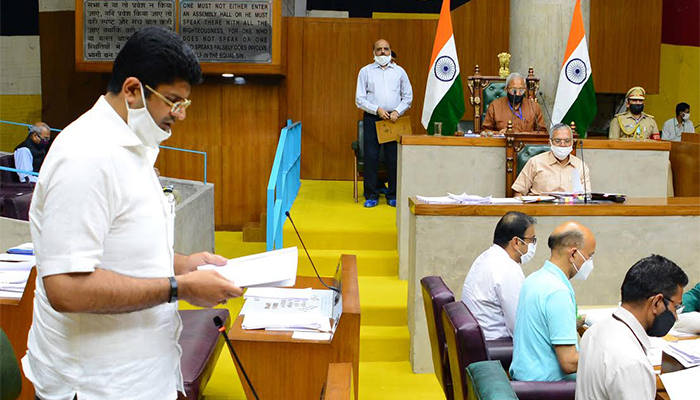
(435, 295)
(201, 346)
(466, 344)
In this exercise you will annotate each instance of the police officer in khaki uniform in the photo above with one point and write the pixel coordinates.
(633, 124)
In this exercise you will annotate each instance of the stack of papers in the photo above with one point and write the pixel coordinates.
(687, 352)
(456, 199)
(470, 198)
(14, 272)
(537, 199)
(682, 385)
(272, 268)
(290, 311)
(437, 200)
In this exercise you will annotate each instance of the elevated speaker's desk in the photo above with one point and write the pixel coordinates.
(432, 166)
(287, 369)
(445, 240)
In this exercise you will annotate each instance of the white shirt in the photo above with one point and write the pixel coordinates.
(491, 292)
(673, 131)
(613, 362)
(98, 204)
(25, 161)
(388, 88)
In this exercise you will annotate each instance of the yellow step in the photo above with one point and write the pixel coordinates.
(396, 381)
(369, 262)
(384, 343)
(383, 301)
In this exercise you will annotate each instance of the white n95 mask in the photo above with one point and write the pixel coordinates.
(585, 270)
(686, 117)
(561, 152)
(142, 124)
(382, 60)
(531, 250)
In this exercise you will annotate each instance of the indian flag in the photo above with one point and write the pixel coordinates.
(575, 99)
(444, 98)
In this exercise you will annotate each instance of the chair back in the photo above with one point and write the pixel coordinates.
(436, 294)
(486, 380)
(465, 344)
(495, 89)
(8, 161)
(10, 376)
(528, 151)
(359, 148)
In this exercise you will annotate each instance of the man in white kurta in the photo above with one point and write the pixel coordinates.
(492, 286)
(105, 323)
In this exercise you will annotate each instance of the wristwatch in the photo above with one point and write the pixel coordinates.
(173, 289)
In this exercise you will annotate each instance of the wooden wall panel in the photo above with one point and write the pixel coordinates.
(333, 53)
(66, 94)
(249, 139)
(625, 44)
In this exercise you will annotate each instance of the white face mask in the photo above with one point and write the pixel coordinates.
(561, 152)
(382, 60)
(144, 126)
(531, 250)
(686, 117)
(585, 270)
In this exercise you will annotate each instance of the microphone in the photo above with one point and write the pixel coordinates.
(583, 167)
(220, 324)
(544, 105)
(307, 255)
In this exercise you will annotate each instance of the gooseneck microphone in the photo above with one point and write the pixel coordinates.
(220, 324)
(307, 255)
(583, 167)
(544, 106)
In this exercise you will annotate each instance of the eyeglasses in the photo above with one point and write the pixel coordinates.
(519, 92)
(531, 239)
(559, 142)
(678, 306)
(175, 107)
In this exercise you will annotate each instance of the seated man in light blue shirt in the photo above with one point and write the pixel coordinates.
(30, 154)
(545, 344)
(384, 93)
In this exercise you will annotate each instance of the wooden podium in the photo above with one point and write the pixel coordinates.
(280, 367)
(16, 319)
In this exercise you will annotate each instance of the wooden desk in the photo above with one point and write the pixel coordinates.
(685, 163)
(339, 384)
(433, 166)
(284, 368)
(445, 240)
(690, 137)
(668, 364)
(15, 320)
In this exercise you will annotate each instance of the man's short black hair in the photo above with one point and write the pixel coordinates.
(511, 225)
(650, 276)
(155, 56)
(680, 107)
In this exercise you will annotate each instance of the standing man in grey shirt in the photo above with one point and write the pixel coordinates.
(383, 93)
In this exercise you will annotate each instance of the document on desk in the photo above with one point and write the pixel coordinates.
(278, 293)
(272, 268)
(682, 385)
(686, 352)
(313, 314)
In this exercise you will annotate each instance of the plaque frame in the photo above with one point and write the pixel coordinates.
(276, 67)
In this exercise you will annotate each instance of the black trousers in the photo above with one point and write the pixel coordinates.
(372, 148)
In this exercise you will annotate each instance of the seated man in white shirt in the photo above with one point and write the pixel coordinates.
(673, 128)
(613, 360)
(493, 283)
